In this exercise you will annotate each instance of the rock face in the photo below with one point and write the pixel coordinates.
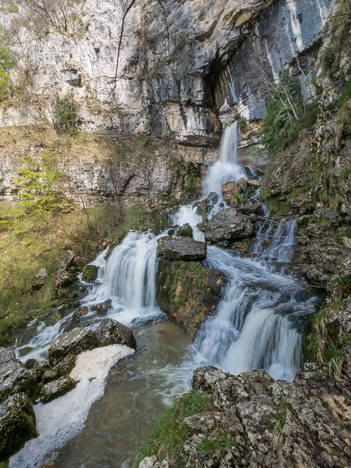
(188, 292)
(17, 423)
(263, 422)
(227, 226)
(78, 340)
(181, 248)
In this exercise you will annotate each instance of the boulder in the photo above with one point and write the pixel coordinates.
(90, 273)
(254, 182)
(251, 208)
(63, 279)
(103, 307)
(72, 342)
(65, 366)
(112, 332)
(14, 377)
(227, 226)
(181, 248)
(42, 273)
(80, 312)
(17, 423)
(188, 292)
(56, 388)
(185, 231)
(201, 207)
(230, 193)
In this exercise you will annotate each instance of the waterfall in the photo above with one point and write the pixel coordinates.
(258, 322)
(226, 169)
(130, 271)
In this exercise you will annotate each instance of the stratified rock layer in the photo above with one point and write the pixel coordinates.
(188, 292)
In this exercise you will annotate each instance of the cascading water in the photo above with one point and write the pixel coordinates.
(226, 169)
(257, 325)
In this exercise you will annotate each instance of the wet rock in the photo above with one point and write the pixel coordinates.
(17, 423)
(254, 182)
(80, 312)
(30, 363)
(13, 376)
(201, 207)
(65, 366)
(72, 342)
(185, 231)
(103, 307)
(212, 198)
(178, 248)
(56, 388)
(252, 208)
(49, 376)
(188, 292)
(63, 278)
(227, 226)
(112, 332)
(231, 191)
(90, 273)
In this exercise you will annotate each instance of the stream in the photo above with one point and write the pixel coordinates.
(258, 324)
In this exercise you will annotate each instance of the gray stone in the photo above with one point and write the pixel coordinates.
(227, 226)
(13, 376)
(80, 312)
(103, 307)
(185, 231)
(72, 342)
(178, 248)
(42, 273)
(56, 388)
(112, 332)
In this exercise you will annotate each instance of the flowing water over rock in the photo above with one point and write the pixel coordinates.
(258, 324)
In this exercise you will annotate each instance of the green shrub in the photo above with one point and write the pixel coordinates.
(39, 185)
(7, 61)
(286, 115)
(65, 115)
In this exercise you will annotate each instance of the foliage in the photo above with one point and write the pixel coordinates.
(286, 115)
(31, 241)
(82, 28)
(220, 445)
(38, 186)
(7, 61)
(172, 431)
(65, 115)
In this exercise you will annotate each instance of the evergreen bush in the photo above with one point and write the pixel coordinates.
(65, 115)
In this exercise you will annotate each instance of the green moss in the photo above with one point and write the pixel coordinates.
(277, 207)
(279, 419)
(171, 431)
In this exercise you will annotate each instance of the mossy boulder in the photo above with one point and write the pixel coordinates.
(56, 388)
(188, 292)
(90, 273)
(17, 423)
(185, 231)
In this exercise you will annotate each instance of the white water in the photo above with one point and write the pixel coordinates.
(226, 169)
(257, 324)
(63, 418)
